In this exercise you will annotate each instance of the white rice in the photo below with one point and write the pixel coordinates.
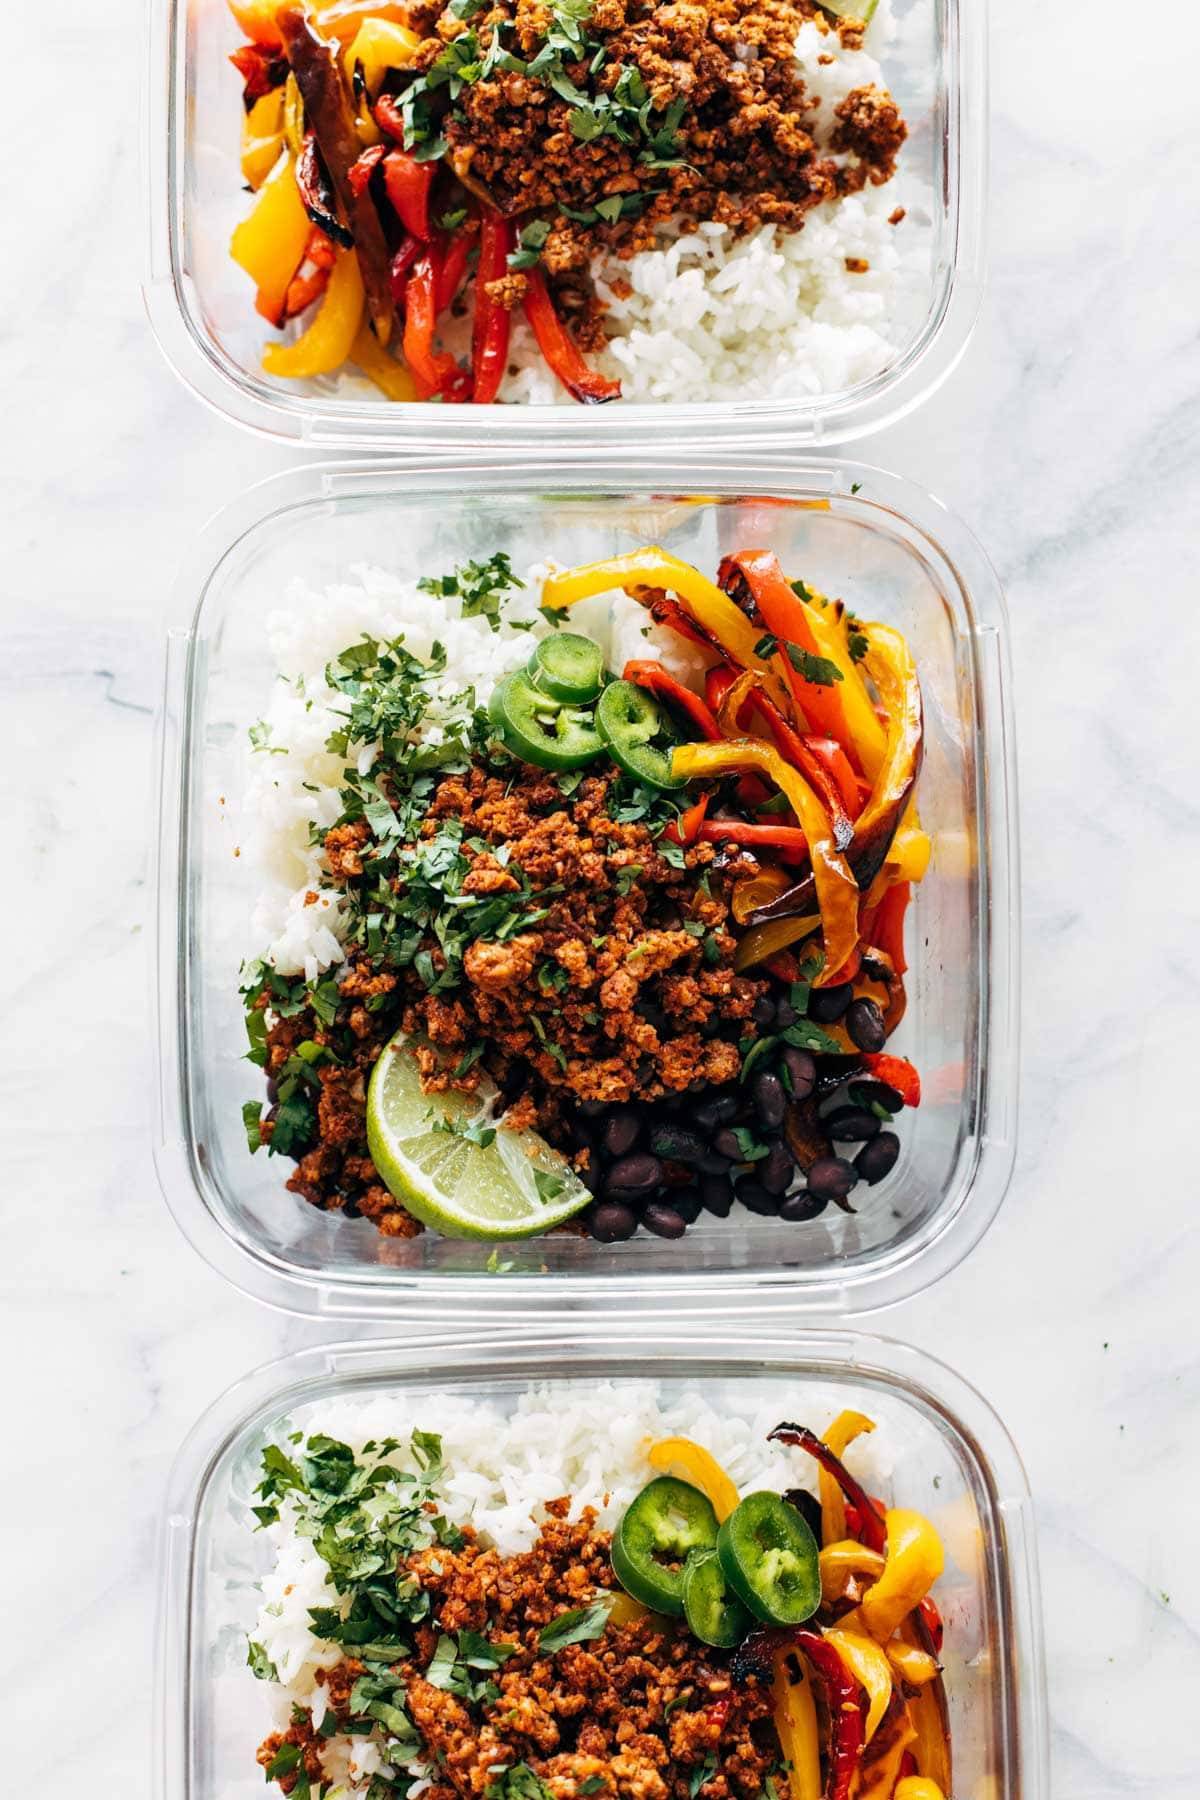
(500, 1470)
(773, 314)
(293, 779)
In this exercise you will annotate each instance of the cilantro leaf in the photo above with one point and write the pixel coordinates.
(578, 1626)
(817, 669)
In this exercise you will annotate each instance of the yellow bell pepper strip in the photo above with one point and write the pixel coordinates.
(762, 942)
(697, 1466)
(625, 1610)
(391, 377)
(881, 1766)
(870, 1668)
(916, 1668)
(914, 1562)
(329, 339)
(846, 1558)
(795, 1715)
(917, 1787)
(752, 891)
(929, 1712)
(270, 242)
(889, 662)
(262, 138)
(837, 894)
(257, 19)
(344, 19)
(722, 623)
(840, 1435)
(379, 45)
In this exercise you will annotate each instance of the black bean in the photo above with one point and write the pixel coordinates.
(653, 1015)
(785, 1014)
(763, 1012)
(850, 1124)
(272, 1091)
(754, 1196)
(832, 1177)
(592, 1176)
(802, 1071)
(622, 1130)
(770, 1101)
(798, 1207)
(612, 1222)
(686, 1202)
(676, 1143)
(712, 1164)
(593, 1109)
(635, 1174)
(726, 1144)
(663, 1220)
(876, 1093)
(711, 1114)
(865, 1027)
(716, 1195)
(878, 1158)
(776, 1170)
(826, 1005)
(582, 1135)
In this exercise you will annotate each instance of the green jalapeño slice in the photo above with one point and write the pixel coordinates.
(770, 1560)
(568, 666)
(713, 1611)
(668, 1522)
(540, 729)
(638, 734)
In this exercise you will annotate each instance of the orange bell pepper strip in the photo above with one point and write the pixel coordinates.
(271, 241)
(686, 828)
(697, 1466)
(720, 624)
(327, 343)
(787, 842)
(837, 891)
(257, 19)
(785, 618)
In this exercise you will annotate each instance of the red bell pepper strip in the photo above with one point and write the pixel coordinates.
(402, 262)
(887, 932)
(262, 71)
(872, 1531)
(931, 1618)
(717, 683)
(389, 117)
(669, 612)
(362, 170)
(559, 347)
(798, 752)
(784, 617)
(654, 678)
(303, 290)
(843, 1695)
(895, 1072)
(493, 323)
(788, 841)
(686, 828)
(409, 184)
(434, 371)
(783, 966)
(453, 271)
(829, 753)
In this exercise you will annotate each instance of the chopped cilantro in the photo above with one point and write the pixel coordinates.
(260, 1663)
(252, 1120)
(579, 1626)
(817, 669)
(481, 588)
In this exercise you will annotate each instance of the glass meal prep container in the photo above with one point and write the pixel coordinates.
(878, 542)
(941, 1448)
(201, 304)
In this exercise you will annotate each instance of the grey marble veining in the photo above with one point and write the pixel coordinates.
(1069, 439)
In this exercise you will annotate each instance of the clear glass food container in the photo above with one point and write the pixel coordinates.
(201, 305)
(940, 1450)
(891, 552)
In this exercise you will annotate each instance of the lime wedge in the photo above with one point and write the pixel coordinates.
(428, 1150)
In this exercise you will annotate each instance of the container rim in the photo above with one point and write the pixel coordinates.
(374, 427)
(925, 1382)
(882, 1280)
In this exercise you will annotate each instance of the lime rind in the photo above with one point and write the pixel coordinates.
(459, 1188)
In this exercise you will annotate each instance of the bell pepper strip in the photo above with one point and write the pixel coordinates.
(328, 113)
(836, 891)
(796, 749)
(787, 841)
(915, 1560)
(270, 242)
(625, 1610)
(915, 1667)
(843, 1694)
(401, 266)
(257, 19)
(670, 613)
(686, 828)
(304, 292)
(897, 1072)
(364, 167)
(680, 1456)
(379, 366)
(833, 759)
(880, 1768)
(784, 617)
(717, 683)
(840, 1434)
(871, 1523)
(841, 1562)
(917, 1787)
(890, 664)
(751, 890)
(377, 46)
(434, 371)
(316, 191)
(452, 271)
(409, 184)
(327, 342)
(795, 1715)
(261, 71)
(652, 676)
(929, 1712)
(262, 138)
(559, 348)
(932, 1624)
(887, 926)
(870, 1668)
(492, 325)
(763, 942)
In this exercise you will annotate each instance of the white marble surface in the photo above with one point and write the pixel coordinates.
(1068, 439)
